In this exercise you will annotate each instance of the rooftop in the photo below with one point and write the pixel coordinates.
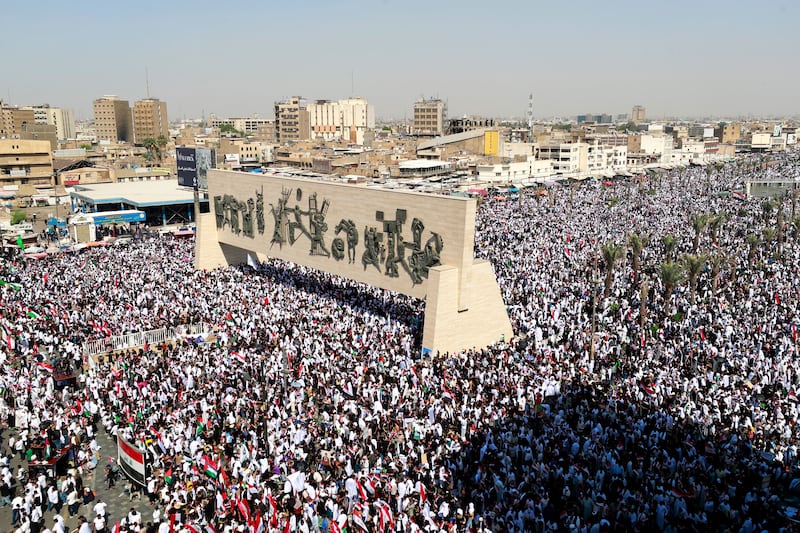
(139, 194)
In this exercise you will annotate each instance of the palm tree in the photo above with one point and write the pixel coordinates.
(671, 276)
(670, 243)
(767, 206)
(637, 243)
(162, 142)
(769, 236)
(699, 222)
(752, 242)
(612, 253)
(151, 145)
(714, 224)
(643, 303)
(693, 265)
(779, 223)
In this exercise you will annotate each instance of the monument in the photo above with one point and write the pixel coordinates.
(413, 243)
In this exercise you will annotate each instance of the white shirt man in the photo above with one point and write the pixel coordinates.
(100, 508)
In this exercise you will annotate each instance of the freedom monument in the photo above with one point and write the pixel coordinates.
(413, 243)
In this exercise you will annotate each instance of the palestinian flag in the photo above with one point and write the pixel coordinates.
(210, 467)
(33, 314)
(168, 476)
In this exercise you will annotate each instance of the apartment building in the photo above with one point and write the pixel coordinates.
(567, 158)
(149, 120)
(14, 119)
(62, 119)
(429, 117)
(728, 133)
(112, 120)
(346, 120)
(247, 125)
(25, 162)
(291, 120)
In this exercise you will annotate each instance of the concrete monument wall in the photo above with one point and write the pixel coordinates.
(414, 243)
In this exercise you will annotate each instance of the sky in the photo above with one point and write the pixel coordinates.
(711, 58)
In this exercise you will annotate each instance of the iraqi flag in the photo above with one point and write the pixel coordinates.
(273, 506)
(422, 495)
(239, 357)
(47, 367)
(210, 467)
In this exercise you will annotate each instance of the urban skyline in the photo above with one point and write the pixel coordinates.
(691, 59)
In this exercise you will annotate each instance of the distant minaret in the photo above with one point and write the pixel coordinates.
(530, 117)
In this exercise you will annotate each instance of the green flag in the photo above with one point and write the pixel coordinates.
(20, 243)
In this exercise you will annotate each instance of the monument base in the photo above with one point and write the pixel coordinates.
(470, 316)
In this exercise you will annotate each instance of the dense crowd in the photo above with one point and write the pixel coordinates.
(306, 406)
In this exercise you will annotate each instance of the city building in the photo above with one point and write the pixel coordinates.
(603, 118)
(14, 119)
(637, 114)
(728, 133)
(112, 120)
(346, 120)
(460, 125)
(429, 117)
(567, 158)
(245, 125)
(25, 162)
(291, 120)
(149, 120)
(62, 119)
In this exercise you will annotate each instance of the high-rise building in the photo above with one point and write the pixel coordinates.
(346, 120)
(13, 120)
(291, 120)
(112, 119)
(429, 117)
(149, 120)
(62, 119)
(637, 114)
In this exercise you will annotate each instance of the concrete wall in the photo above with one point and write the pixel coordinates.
(464, 307)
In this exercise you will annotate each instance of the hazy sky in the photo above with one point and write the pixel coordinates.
(234, 58)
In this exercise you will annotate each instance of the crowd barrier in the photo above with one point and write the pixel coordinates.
(140, 338)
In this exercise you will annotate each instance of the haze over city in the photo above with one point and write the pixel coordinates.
(679, 59)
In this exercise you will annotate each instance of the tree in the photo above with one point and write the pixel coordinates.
(795, 194)
(228, 128)
(628, 126)
(637, 243)
(670, 243)
(699, 222)
(779, 224)
(612, 253)
(18, 216)
(671, 277)
(796, 226)
(766, 207)
(752, 241)
(162, 143)
(693, 265)
(714, 223)
(717, 260)
(151, 145)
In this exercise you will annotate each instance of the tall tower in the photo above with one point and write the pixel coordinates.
(637, 114)
(530, 117)
(112, 119)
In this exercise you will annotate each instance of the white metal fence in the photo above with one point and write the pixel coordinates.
(154, 336)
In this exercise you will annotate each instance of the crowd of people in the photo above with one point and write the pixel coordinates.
(649, 406)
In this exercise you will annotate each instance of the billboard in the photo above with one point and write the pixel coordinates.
(193, 165)
(131, 461)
